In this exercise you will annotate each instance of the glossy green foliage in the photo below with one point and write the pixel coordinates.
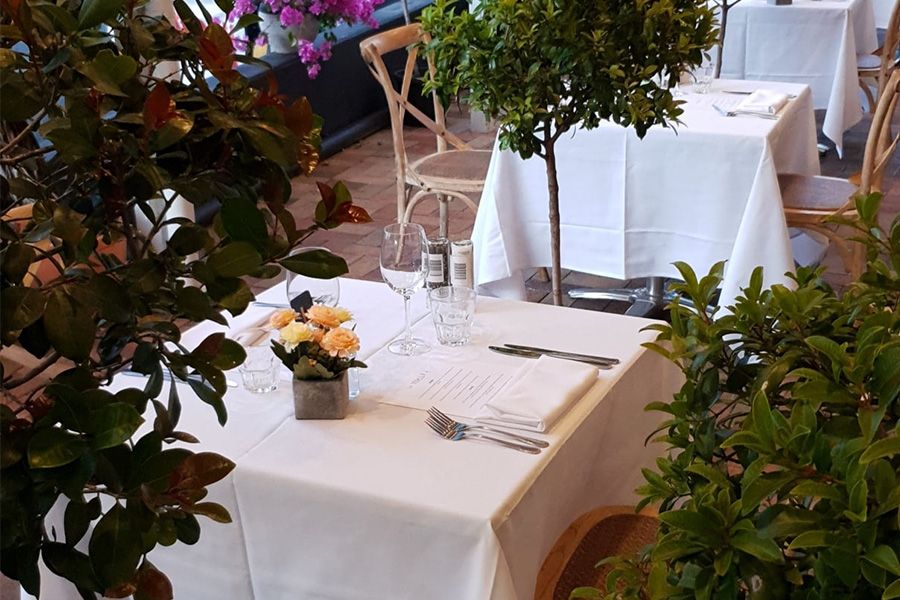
(782, 476)
(542, 67)
(98, 141)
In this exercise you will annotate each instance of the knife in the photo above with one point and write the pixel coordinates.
(529, 354)
(563, 354)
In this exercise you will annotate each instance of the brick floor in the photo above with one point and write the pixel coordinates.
(367, 168)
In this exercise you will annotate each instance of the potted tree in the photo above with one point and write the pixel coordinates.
(95, 150)
(541, 69)
(781, 476)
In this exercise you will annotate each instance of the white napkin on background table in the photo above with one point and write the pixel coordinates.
(540, 392)
(766, 102)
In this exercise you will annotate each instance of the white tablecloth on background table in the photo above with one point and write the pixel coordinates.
(811, 41)
(377, 506)
(883, 10)
(630, 207)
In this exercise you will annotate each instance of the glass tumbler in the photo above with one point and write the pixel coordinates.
(452, 311)
(259, 371)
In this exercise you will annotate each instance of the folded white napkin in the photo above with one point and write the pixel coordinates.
(539, 393)
(765, 102)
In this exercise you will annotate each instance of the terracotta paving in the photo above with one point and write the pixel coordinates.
(367, 168)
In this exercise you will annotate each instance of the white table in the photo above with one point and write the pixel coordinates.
(811, 41)
(630, 207)
(883, 10)
(377, 506)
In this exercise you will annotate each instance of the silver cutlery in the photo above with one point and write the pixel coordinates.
(744, 93)
(450, 423)
(168, 377)
(454, 435)
(271, 304)
(733, 113)
(561, 353)
(532, 354)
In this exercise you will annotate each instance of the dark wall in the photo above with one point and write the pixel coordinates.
(345, 94)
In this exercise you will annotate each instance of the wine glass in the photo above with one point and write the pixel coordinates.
(403, 267)
(321, 291)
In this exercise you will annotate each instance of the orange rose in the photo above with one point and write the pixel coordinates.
(323, 315)
(282, 318)
(340, 342)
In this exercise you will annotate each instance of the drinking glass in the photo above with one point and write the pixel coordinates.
(704, 79)
(259, 371)
(403, 267)
(452, 310)
(322, 291)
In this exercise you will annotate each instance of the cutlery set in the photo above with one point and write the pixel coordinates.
(450, 429)
(601, 362)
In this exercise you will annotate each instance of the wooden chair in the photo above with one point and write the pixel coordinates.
(875, 68)
(601, 533)
(447, 173)
(810, 200)
(39, 270)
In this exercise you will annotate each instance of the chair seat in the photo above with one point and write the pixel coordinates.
(457, 170)
(805, 192)
(868, 62)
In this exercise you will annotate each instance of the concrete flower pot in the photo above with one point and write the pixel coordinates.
(321, 398)
(283, 40)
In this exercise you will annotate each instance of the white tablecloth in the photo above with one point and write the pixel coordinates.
(377, 506)
(883, 10)
(811, 41)
(631, 207)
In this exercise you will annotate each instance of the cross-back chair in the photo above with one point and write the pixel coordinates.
(601, 533)
(810, 200)
(455, 170)
(877, 67)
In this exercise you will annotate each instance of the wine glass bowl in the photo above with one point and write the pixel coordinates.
(321, 291)
(403, 268)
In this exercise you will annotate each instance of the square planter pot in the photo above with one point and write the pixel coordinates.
(321, 399)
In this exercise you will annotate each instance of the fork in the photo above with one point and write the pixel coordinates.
(450, 423)
(454, 435)
(733, 113)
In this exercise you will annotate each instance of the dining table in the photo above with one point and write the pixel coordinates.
(814, 42)
(379, 506)
(702, 191)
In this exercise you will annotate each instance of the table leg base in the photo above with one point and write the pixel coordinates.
(647, 300)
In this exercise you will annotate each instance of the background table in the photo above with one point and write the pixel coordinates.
(377, 506)
(630, 207)
(883, 10)
(811, 41)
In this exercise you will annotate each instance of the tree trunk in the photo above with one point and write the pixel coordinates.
(553, 190)
(721, 43)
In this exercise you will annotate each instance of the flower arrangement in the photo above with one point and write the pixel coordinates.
(327, 13)
(314, 344)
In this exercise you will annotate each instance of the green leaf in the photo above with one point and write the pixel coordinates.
(211, 397)
(762, 548)
(881, 449)
(54, 447)
(113, 424)
(69, 328)
(235, 260)
(188, 239)
(78, 517)
(69, 563)
(94, 12)
(811, 539)
(691, 522)
(892, 591)
(884, 557)
(244, 221)
(108, 71)
(115, 547)
(319, 264)
(216, 512)
(200, 470)
(16, 260)
(19, 307)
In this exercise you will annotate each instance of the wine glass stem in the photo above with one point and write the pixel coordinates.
(408, 335)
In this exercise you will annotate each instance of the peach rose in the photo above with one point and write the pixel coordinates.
(282, 318)
(343, 314)
(340, 342)
(323, 315)
(294, 334)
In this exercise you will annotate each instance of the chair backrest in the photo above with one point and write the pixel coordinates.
(881, 143)
(373, 49)
(889, 49)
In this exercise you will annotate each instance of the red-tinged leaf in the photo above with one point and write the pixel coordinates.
(270, 96)
(200, 470)
(152, 584)
(216, 512)
(299, 118)
(159, 108)
(123, 590)
(217, 53)
(350, 213)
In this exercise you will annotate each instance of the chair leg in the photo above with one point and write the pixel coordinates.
(857, 260)
(867, 90)
(543, 274)
(444, 223)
